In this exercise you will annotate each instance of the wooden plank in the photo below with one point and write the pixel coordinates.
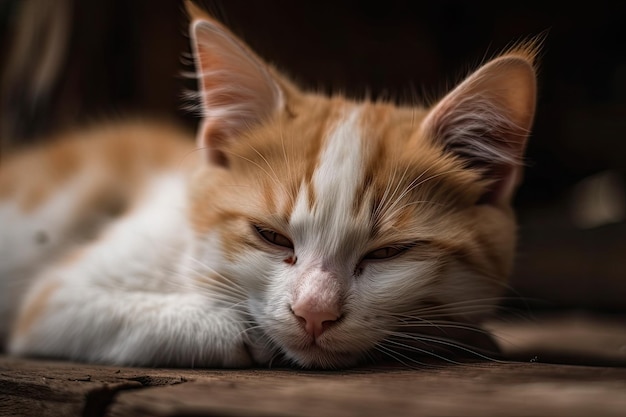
(564, 337)
(496, 389)
(43, 388)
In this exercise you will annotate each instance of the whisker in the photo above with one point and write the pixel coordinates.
(233, 284)
(456, 312)
(406, 190)
(445, 325)
(396, 356)
(273, 358)
(420, 350)
(386, 202)
(396, 210)
(232, 297)
(217, 293)
(210, 286)
(445, 342)
(275, 176)
(477, 302)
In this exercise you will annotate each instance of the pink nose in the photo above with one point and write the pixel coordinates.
(315, 322)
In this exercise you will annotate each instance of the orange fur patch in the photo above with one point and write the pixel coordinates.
(34, 309)
(118, 158)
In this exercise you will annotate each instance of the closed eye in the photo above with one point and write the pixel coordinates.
(387, 252)
(273, 237)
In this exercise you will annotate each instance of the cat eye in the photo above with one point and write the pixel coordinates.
(273, 237)
(385, 253)
(389, 252)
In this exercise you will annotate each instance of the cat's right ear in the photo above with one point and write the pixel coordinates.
(486, 119)
(237, 89)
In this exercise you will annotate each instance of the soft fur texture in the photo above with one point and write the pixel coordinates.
(316, 230)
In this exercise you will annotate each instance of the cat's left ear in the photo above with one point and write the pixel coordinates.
(237, 88)
(486, 120)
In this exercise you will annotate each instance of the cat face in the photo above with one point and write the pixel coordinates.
(346, 227)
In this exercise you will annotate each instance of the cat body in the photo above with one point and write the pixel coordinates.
(316, 230)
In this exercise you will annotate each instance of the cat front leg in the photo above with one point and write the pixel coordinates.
(61, 318)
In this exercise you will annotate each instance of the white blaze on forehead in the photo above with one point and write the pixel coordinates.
(340, 165)
(335, 183)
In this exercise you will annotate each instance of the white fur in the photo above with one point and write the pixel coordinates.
(124, 302)
(20, 229)
(31, 240)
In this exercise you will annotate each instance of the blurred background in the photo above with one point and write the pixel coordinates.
(68, 62)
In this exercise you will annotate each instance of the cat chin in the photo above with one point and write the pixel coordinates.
(315, 357)
(268, 352)
(296, 350)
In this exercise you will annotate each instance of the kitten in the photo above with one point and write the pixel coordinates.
(316, 230)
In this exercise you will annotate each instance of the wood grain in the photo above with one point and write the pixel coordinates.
(44, 388)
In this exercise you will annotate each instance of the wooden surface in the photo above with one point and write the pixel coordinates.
(529, 388)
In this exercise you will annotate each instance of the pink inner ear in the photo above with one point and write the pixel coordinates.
(479, 132)
(236, 87)
(485, 121)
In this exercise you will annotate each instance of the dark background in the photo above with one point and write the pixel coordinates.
(119, 57)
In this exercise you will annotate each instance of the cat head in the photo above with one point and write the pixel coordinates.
(343, 224)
